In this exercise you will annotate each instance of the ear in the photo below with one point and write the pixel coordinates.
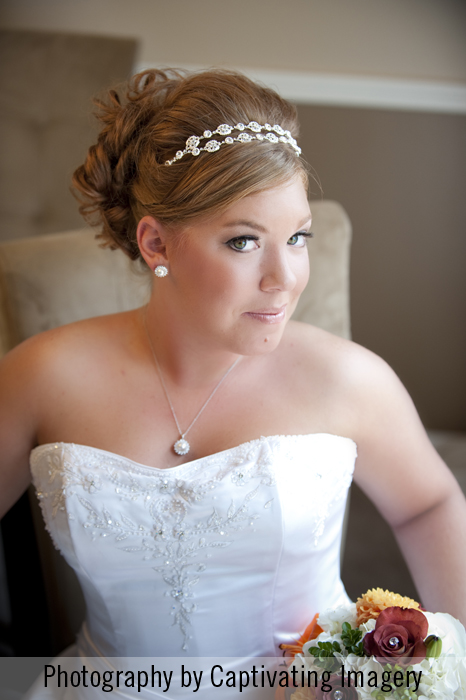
(151, 238)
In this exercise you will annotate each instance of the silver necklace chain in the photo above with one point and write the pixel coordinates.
(182, 446)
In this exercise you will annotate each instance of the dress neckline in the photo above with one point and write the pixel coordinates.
(180, 467)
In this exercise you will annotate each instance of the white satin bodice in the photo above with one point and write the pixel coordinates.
(227, 555)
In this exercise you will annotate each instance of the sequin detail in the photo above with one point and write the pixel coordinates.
(175, 541)
(175, 524)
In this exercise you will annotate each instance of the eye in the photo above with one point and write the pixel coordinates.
(243, 243)
(298, 240)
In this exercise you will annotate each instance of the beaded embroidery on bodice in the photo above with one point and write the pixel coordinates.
(159, 552)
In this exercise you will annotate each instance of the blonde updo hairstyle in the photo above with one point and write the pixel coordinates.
(125, 178)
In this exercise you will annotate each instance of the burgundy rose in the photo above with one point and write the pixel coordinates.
(398, 636)
(337, 692)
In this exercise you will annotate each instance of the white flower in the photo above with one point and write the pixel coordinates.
(331, 621)
(442, 679)
(451, 632)
(323, 637)
(365, 665)
(368, 626)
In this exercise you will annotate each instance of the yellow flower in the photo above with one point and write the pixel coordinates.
(370, 605)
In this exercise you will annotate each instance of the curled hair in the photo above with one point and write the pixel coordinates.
(124, 176)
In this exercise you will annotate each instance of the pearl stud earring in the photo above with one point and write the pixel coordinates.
(161, 271)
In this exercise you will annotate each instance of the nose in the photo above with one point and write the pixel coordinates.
(277, 272)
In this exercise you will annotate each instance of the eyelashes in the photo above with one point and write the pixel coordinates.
(304, 234)
(245, 243)
(240, 243)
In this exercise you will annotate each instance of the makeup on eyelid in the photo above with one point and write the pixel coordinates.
(231, 243)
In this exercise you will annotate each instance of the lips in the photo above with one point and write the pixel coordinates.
(273, 315)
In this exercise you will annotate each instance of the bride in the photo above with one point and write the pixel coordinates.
(192, 457)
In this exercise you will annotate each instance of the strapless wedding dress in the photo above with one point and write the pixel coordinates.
(229, 555)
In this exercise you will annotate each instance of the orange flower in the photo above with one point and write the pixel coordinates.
(370, 605)
(311, 632)
(303, 694)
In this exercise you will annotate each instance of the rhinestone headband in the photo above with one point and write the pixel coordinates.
(274, 134)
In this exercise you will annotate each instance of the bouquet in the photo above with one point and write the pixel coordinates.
(382, 647)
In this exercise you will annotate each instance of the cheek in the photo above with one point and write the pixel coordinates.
(302, 274)
(214, 282)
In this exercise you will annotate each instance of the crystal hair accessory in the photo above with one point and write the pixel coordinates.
(274, 134)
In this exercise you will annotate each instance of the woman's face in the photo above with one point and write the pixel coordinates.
(235, 278)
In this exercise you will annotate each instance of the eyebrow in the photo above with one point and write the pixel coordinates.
(258, 227)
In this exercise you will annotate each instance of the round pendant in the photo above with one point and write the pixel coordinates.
(181, 447)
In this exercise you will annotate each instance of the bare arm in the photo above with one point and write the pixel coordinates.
(413, 489)
(18, 421)
(440, 532)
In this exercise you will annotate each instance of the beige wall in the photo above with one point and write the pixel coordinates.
(401, 177)
(421, 39)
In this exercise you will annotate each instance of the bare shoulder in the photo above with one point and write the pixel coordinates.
(326, 374)
(359, 377)
(52, 361)
(379, 415)
(34, 378)
(52, 348)
(341, 361)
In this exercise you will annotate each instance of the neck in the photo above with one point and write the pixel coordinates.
(185, 359)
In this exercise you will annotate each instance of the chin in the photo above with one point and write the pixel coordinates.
(261, 344)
